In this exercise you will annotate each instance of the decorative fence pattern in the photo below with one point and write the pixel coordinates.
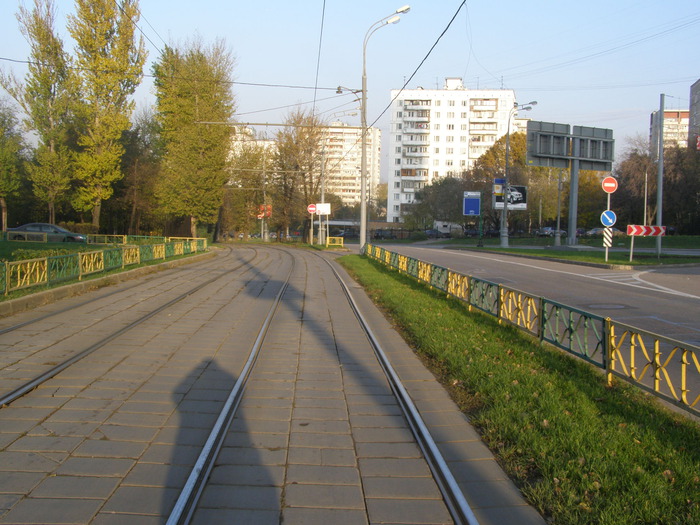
(17, 275)
(667, 368)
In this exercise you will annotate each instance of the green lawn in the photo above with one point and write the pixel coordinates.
(581, 452)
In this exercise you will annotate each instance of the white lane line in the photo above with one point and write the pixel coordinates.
(633, 284)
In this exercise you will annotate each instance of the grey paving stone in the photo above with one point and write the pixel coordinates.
(408, 511)
(205, 516)
(389, 467)
(19, 482)
(52, 510)
(110, 449)
(142, 500)
(45, 444)
(157, 475)
(237, 497)
(323, 474)
(324, 496)
(125, 433)
(401, 488)
(75, 487)
(311, 516)
(97, 467)
(322, 456)
(248, 475)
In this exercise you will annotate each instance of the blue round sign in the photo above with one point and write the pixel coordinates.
(608, 218)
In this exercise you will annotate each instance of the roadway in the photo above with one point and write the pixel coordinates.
(664, 300)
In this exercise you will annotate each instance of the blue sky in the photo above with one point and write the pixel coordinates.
(595, 63)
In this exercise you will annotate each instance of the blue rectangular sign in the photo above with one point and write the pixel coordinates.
(472, 203)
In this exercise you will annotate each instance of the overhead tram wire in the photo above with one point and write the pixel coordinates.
(421, 62)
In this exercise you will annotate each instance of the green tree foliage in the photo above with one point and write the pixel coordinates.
(11, 147)
(297, 166)
(48, 98)
(246, 189)
(133, 208)
(193, 87)
(637, 175)
(110, 64)
(441, 201)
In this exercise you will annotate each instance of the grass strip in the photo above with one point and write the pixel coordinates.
(580, 451)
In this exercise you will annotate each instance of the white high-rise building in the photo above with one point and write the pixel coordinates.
(440, 133)
(676, 126)
(343, 152)
(694, 117)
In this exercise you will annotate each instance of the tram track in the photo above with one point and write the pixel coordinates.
(263, 282)
(186, 504)
(8, 397)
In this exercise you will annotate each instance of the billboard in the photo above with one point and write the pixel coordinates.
(517, 199)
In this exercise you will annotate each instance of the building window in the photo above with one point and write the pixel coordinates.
(437, 151)
(450, 126)
(437, 114)
(450, 151)
(436, 138)
(436, 126)
(464, 127)
(397, 196)
(399, 114)
(450, 114)
(463, 114)
(437, 102)
(450, 102)
(450, 138)
(397, 185)
(398, 138)
(397, 162)
(396, 209)
(436, 162)
(397, 173)
(398, 149)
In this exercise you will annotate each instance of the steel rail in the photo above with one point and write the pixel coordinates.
(456, 503)
(28, 322)
(186, 503)
(30, 385)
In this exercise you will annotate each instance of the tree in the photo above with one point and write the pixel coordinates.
(11, 147)
(297, 166)
(133, 209)
(441, 201)
(195, 104)
(110, 64)
(48, 99)
(246, 189)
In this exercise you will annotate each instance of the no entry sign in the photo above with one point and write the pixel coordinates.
(609, 184)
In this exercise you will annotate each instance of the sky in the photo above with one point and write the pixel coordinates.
(595, 63)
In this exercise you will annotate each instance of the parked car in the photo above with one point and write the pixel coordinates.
(548, 231)
(53, 233)
(384, 234)
(599, 231)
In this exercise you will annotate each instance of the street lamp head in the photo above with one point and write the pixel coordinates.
(404, 9)
(394, 20)
(533, 103)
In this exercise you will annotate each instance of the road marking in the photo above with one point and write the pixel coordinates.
(631, 281)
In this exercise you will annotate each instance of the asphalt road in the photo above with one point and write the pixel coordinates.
(665, 301)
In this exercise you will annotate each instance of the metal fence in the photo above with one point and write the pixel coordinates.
(667, 368)
(16, 275)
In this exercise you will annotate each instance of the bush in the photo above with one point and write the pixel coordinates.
(418, 236)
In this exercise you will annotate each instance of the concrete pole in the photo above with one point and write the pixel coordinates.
(660, 175)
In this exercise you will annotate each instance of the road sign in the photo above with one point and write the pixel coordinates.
(644, 231)
(323, 208)
(472, 203)
(609, 184)
(311, 208)
(607, 239)
(608, 218)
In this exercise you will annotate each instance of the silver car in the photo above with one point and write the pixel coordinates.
(34, 231)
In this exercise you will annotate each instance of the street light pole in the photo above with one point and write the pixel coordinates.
(506, 191)
(391, 19)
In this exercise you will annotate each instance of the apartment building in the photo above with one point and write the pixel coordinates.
(343, 152)
(694, 117)
(440, 133)
(675, 131)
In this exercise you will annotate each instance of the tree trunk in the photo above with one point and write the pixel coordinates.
(3, 207)
(193, 227)
(96, 214)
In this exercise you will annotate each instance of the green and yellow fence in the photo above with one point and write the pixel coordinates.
(665, 367)
(17, 275)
